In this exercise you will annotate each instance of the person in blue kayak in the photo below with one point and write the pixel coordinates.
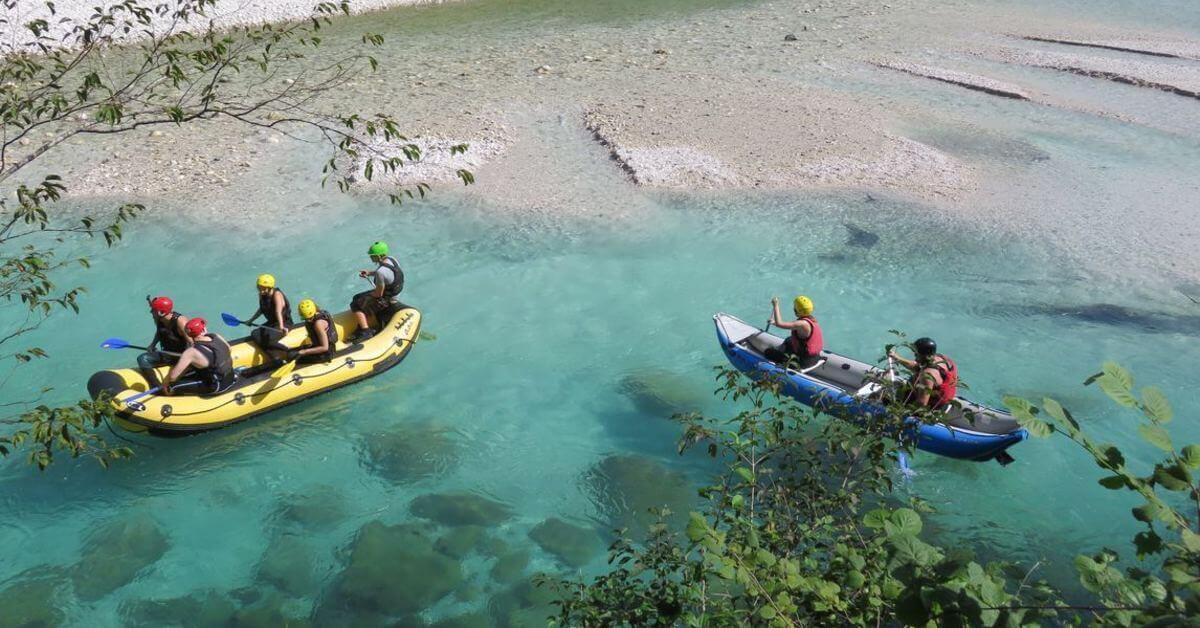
(273, 304)
(934, 380)
(322, 334)
(388, 280)
(803, 346)
(209, 361)
(170, 334)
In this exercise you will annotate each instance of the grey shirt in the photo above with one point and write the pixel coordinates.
(384, 275)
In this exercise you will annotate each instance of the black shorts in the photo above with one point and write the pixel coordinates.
(268, 338)
(368, 303)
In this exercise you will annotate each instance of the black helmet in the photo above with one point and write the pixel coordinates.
(925, 347)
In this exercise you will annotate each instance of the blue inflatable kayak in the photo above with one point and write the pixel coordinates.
(839, 386)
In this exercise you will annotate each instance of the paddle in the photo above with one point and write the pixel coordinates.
(284, 370)
(121, 343)
(142, 394)
(234, 321)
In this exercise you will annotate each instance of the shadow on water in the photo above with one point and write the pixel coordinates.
(1126, 317)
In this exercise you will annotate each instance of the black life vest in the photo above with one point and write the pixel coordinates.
(393, 287)
(167, 330)
(220, 362)
(266, 305)
(330, 332)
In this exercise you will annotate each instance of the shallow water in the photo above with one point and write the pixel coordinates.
(563, 342)
(539, 328)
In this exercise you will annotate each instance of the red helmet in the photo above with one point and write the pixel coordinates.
(196, 327)
(162, 305)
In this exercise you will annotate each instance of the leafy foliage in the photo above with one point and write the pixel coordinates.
(130, 65)
(800, 528)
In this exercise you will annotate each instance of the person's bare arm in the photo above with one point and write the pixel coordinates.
(323, 331)
(185, 361)
(777, 319)
(278, 320)
(902, 361)
(181, 325)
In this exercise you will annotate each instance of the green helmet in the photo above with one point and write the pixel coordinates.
(379, 249)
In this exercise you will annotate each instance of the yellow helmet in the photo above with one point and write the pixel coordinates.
(307, 309)
(802, 306)
(266, 281)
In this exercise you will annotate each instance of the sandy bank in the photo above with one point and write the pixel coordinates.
(224, 14)
(1184, 81)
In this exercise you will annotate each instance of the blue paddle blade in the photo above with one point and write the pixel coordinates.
(114, 343)
(230, 319)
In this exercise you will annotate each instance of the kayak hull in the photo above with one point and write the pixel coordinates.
(261, 393)
(964, 442)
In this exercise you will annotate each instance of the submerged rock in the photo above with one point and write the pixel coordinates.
(624, 489)
(460, 509)
(510, 567)
(859, 237)
(459, 541)
(393, 570)
(203, 609)
(470, 620)
(288, 565)
(320, 507)
(523, 605)
(572, 544)
(410, 454)
(33, 598)
(114, 555)
(662, 393)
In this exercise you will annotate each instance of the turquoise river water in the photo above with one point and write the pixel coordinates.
(562, 346)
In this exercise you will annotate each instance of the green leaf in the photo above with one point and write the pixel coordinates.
(1156, 406)
(697, 527)
(911, 550)
(1156, 436)
(767, 612)
(1191, 456)
(1169, 478)
(1114, 371)
(903, 521)
(737, 502)
(1113, 482)
(1190, 539)
(876, 519)
(1055, 409)
(745, 474)
(1036, 426)
(1117, 391)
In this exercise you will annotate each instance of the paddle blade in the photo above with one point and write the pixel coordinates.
(230, 319)
(114, 343)
(284, 370)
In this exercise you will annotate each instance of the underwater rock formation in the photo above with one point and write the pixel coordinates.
(319, 507)
(32, 598)
(859, 237)
(115, 553)
(410, 453)
(393, 570)
(662, 393)
(288, 565)
(510, 566)
(624, 488)
(523, 605)
(459, 541)
(572, 544)
(460, 509)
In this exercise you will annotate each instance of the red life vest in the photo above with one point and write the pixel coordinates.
(948, 390)
(811, 346)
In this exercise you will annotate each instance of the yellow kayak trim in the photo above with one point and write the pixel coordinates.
(259, 393)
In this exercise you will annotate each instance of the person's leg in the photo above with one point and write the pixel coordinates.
(146, 363)
(359, 305)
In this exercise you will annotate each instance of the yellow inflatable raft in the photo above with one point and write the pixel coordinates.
(261, 389)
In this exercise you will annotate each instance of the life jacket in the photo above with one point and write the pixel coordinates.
(807, 347)
(266, 305)
(169, 338)
(393, 287)
(948, 389)
(220, 362)
(330, 332)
